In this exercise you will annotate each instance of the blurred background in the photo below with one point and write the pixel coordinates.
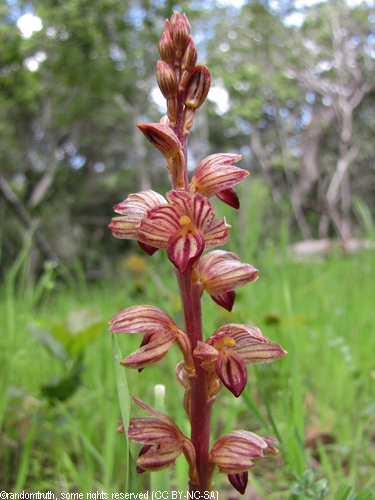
(293, 92)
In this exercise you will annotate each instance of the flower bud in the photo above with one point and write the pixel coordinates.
(164, 120)
(176, 16)
(180, 30)
(191, 55)
(180, 34)
(188, 118)
(172, 107)
(162, 137)
(165, 46)
(186, 22)
(189, 61)
(167, 80)
(198, 87)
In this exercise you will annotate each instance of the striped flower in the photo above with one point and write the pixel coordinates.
(133, 210)
(234, 453)
(231, 348)
(160, 333)
(184, 227)
(215, 176)
(221, 272)
(163, 441)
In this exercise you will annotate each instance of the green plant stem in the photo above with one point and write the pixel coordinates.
(200, 407)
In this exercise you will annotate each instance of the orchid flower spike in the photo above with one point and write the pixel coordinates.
(183, 224)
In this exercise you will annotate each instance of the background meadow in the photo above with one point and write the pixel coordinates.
(318, 401)
(292, 92)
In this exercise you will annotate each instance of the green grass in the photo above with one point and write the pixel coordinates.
(321, 312)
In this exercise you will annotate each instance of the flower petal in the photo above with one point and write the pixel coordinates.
(125, 227)
(196, 207)
(144, 450)
(142, 319)
(234, 451)
(242, 334)
(270, 450)
(221, 272)
(147, 248)
(215, 173)
(230, 197)
(135, 208)
(151, 353)
(159, 458)
(253, 346)
(217, 234)
(231, 370)
(151, 430)
(138, 204)
(162, 137)
(239, 481)
(225, 300)
(157, 414)
(160, 224)
(184, 249)
(208, 354)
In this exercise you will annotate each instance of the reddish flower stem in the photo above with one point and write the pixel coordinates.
(200, 407)
(191, 305)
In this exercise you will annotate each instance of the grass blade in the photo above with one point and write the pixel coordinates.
(124, 401)
(160, 481)
(25, 460)
(253, 407)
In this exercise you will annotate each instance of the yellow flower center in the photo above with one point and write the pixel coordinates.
(186, 224)
(224, 343)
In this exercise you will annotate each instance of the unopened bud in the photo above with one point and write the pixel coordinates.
(176, 16)
(188, 118)
(191, 55)
(198, 87)
(180, 34)
(167, 80)
(164, 120)
(186, 22)
(165, 46)
(172, 110)
(162, 137)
